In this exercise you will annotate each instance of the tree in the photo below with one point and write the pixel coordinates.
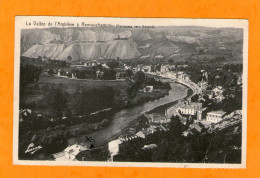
(128, 73)
(113, 64)
(109, 75)
(171, 61)
(139, 79)
(87, 101)
(29, 74)
(50, 72)
(69, 58)
(55, 101)
(176, 127)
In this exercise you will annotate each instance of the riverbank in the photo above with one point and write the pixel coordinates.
(124, 117)
(161, 109)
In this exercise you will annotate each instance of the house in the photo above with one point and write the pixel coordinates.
(195, 128)
(148, 89)
(182, 66)
(90, 63)
(146, 68)
(99, 74)
(105, 66)
(149, 130)
(62, 72)
(166, 68)
(186, 133)
(239, 80)
(209, 93)
(148, 147)
(113, 148)
(215, 116)
(160, 56)
(186, 78)
(191, 108)
(171, 75)
(181, 75)
(218, 90)
(139, 67)
(26, 114)
(199, 127)
(140, 134)
(60, 156)
(158, 118)
(70, 153)
(203, 85)
(219, 98)
(120, 73)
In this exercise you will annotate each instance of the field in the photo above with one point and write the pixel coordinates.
(32, 96)
(34, 93)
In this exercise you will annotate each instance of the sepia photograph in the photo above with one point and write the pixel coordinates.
(130, 92)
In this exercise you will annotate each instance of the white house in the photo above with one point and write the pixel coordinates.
(187, 78)
(191, 108)
(171, 75)
(219, 98)
(180, 75)
(218, 90)
(215, 116)
(146, 68)
(148, 89)
(166, 68)
(70, 153)
(91, 63)
(113, 148)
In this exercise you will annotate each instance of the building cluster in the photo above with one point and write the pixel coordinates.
(28, 115)
(215, 116)
(69, 154)
(228, 120)
(186, 110)
(155, 122)
(194, 128)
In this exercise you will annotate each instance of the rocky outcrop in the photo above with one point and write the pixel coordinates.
(182, 39)
(123, 49)
(48, 50)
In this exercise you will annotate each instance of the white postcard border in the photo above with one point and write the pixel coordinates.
(218, 23)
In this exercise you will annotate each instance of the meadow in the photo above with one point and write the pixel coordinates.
(32, 95)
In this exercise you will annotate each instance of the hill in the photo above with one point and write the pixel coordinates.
(176, 43)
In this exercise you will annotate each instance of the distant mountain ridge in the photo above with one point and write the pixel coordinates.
(110, 43)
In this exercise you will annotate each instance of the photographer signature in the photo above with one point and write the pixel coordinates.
(31, 149)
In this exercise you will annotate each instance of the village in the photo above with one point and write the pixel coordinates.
(194, 111)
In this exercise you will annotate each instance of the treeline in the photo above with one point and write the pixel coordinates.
(70, 109)
(29, 74)
(81, 102)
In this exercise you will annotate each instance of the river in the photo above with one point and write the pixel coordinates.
(123, 117)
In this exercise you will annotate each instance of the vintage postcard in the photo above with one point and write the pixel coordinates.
(135, 92)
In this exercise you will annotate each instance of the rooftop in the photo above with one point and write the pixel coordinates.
(218, 113)
(157, 117)
(191, 105)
